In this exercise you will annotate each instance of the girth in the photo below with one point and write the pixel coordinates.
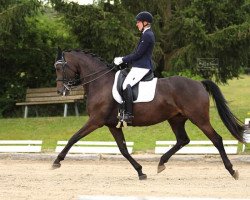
(123, 74)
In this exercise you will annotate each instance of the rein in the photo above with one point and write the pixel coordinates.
(69, 83)
(98, 76)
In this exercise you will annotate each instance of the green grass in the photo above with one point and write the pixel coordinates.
(52, 129)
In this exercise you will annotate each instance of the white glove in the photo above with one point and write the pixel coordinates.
(118, 60)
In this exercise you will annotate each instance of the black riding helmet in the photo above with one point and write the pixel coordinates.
(144, 17)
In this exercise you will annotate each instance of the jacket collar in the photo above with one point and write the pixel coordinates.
(145, 29)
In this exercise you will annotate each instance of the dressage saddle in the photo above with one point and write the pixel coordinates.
(135, 89)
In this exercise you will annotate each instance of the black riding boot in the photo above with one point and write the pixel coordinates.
(128, 97)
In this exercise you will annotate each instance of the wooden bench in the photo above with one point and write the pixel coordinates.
(20, 146)
(94, 147)
(39, 96)
(197, 147)
(246, 134)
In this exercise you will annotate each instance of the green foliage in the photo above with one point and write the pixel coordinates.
(13, 26)
(106, 29)
(12, 15)
(30, 35)
(185, 30)
(209, 29)
(231, 46)
(107, 33)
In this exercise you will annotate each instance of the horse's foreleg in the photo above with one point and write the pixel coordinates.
(85, 130)
(120, 140)
(177, 125)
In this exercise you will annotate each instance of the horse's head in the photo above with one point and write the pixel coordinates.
(66, 73)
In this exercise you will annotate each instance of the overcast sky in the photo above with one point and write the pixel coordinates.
(81, 2)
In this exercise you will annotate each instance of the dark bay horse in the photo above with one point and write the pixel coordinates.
(177, 99)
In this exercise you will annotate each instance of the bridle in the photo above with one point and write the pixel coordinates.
(67, 82)
(70, 83)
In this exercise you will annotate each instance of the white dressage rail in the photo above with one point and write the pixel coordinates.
(197, 147)
(20, 146)
(246, 134)
(94, 147)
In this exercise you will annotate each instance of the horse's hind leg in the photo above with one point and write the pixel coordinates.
(218, 143)
(120, 140)
(177, 124)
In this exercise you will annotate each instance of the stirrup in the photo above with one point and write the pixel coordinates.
(121, 122)
(128, 117)
(120, 115)
(124, 119)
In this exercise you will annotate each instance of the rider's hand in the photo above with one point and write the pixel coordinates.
(118, 60)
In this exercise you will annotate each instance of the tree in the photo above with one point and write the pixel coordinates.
(185, 31)
(12, 29)
(105, 30)
(110, 30)
(209, 29)
(29, 36)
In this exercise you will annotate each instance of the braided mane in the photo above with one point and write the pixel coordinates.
(88, 52)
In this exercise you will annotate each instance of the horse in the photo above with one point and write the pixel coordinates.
(177, 99)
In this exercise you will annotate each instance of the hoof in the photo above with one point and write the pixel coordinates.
(161, 168)
(236, 175)
(143, 177)
(56, 165)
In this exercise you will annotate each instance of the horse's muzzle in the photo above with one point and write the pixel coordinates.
(63, 91)
(60, 91)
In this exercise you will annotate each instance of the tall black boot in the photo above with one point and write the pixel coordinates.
(128, 97)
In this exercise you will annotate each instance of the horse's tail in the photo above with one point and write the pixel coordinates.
(233, 124)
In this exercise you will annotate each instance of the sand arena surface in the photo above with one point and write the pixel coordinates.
(27, 179)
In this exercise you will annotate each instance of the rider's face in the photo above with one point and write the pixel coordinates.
(139, 25)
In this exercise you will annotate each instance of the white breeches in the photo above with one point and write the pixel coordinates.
(134, 76)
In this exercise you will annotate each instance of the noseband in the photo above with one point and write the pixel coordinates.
(69, 83)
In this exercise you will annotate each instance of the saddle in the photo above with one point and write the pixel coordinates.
(144, 91)
(135, 89)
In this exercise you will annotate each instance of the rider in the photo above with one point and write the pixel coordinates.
(140, 60)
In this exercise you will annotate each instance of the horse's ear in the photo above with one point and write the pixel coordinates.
(59, 53)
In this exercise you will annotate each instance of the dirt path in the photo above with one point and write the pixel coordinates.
(34, 180)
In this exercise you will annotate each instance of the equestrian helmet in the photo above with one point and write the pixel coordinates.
(144, 17)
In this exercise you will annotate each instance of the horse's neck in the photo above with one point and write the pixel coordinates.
(90, 66)
(100, 88)
(97, 76)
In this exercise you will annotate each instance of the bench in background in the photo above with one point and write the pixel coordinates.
(246, 134)
(20, 146)
(197, 147)
(42, 96)
(94, 147)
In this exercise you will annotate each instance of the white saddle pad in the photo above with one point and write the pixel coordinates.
(146, 90)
